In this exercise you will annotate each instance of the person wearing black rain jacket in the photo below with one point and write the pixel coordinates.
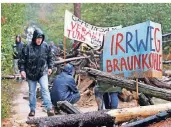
(35, 65)
(17, 48)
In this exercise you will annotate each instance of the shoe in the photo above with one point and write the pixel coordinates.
(50, 113)
(32, 114)
(56, 111)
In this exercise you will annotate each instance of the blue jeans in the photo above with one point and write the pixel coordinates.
(43, 81)
(113, 98)
(109, 101)
(74, 98)
(99, 99)
(16, 70)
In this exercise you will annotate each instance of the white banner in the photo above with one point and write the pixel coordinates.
(79, 30)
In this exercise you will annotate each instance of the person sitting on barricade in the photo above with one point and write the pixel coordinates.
(64, 87)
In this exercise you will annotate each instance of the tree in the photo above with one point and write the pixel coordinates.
(13, 18)
(50, 18)
(77, 10)
(113, 14)
(13, 21)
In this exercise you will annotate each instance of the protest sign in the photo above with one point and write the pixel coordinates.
(134, 51)
(79, 30)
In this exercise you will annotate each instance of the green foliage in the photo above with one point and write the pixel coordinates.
(13, 16)
(50, 18)
(8, 91)
(115, 14)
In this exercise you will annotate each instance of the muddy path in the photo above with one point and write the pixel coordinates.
(20, 108)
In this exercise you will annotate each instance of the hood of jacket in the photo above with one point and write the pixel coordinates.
(19, 39)
(69, 69)
(37, 33)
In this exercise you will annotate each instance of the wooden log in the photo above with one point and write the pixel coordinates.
(62, 61)
(159, 83)
(128, 84)
(67, 107)
(101, 117)
(143, 100)
(151, 119)
(156, 82)
(146, 81)
(167, 73)
(126, 114)
(68, 60)
(167, 62)
(10, 76)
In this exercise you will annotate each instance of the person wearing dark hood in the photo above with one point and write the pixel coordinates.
(54, 49)
(61, 46)
(106, 95)
(64, 87)
(35, 65)
(17, 48)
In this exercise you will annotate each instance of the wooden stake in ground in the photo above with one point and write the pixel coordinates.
(79, 80)
(64, 48)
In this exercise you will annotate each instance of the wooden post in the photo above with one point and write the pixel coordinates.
(64, 48)
(79, 80)
(137, 87)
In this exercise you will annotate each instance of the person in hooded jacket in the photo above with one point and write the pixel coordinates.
(35, 65)
(106, 95)
(55, 50)
(17, 48)
(64, 87)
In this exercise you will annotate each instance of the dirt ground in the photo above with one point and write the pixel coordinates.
(164, 123)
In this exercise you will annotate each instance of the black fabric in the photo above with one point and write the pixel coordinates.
(106, 101)
(17, 48)
(36, 59)
(37, 33)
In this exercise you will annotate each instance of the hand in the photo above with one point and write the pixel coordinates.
(49, 71)
(23, 74)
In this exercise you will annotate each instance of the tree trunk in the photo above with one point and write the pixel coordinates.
(129, 84)
(100, 118)
(126, 114)
(144, 100)
(160, 84)
(77, 10)
(62, 61)
(156, 82)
